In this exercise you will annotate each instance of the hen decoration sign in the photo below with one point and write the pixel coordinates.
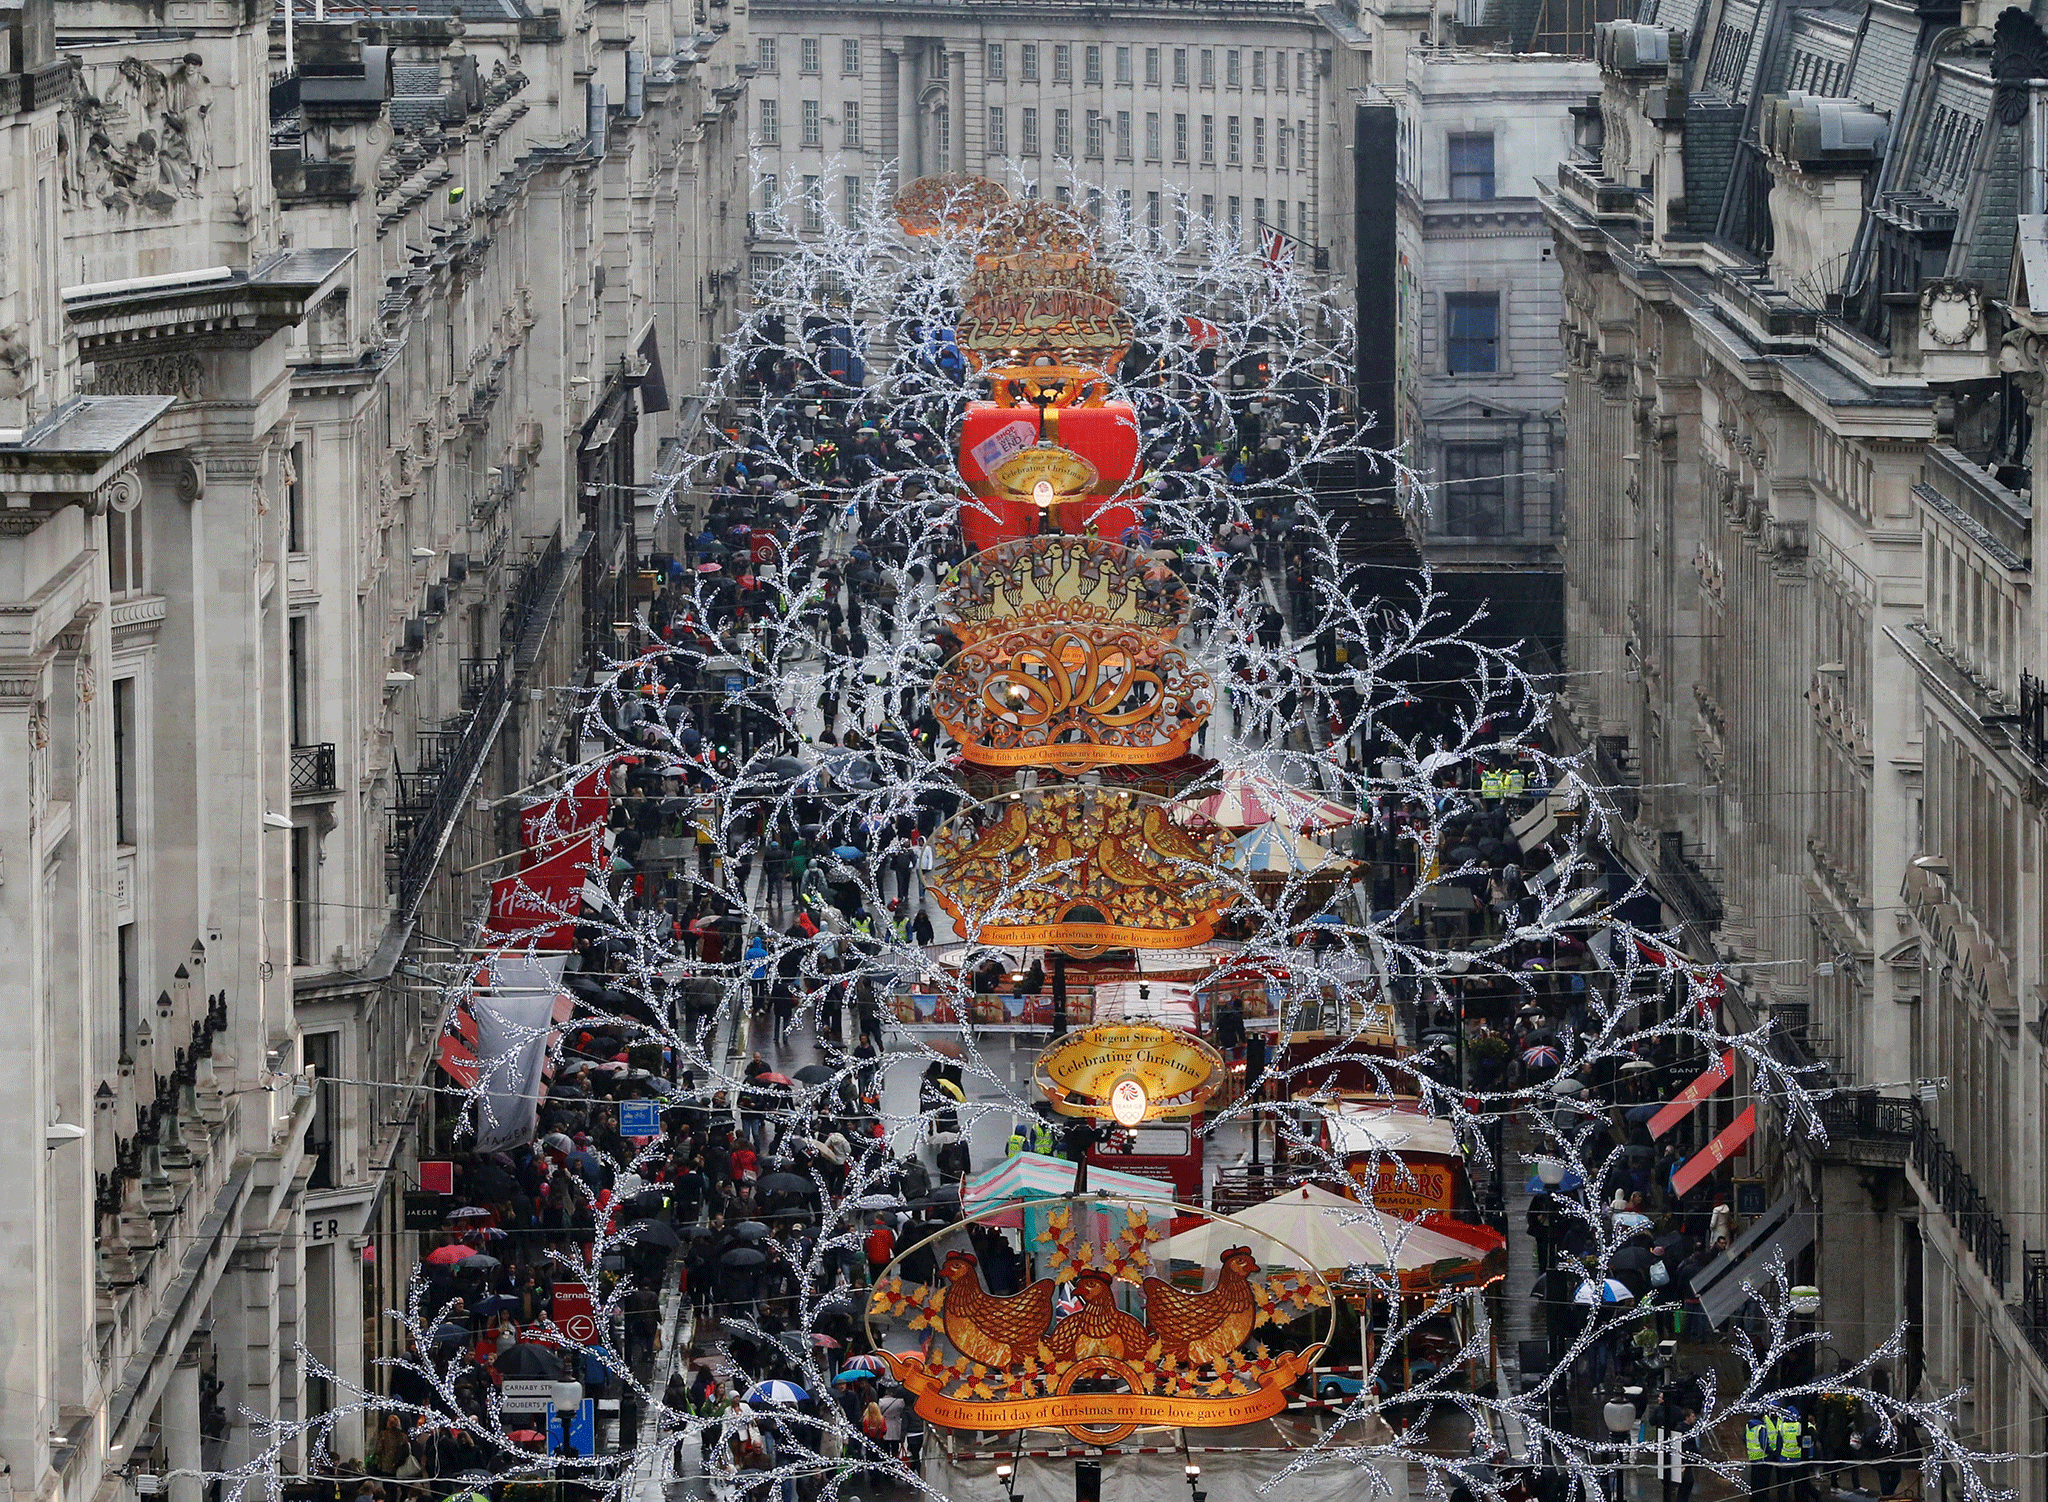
(1094, 1344)
(1174, 1073)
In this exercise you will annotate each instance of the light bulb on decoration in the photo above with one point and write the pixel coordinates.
(1618, 1414)
(1550, 1172)
(1805, 1299)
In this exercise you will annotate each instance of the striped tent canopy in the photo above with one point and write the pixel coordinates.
(1247, 798)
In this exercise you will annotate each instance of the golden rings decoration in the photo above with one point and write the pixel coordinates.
(1073, 865)
(1072, 698)
(935, 205)
(1053, 579)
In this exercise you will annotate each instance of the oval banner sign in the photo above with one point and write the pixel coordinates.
(1176, 1071)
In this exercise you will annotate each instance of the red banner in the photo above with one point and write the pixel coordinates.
(542, 893)
(1693, 1094)
(1715, 1153)
(576, 807)
(573, 1313)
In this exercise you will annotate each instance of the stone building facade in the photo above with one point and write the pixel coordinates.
(334, 363)
(1168, 112)
(1800, 515)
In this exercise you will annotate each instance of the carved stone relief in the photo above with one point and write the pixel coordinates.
(136, 135)
(152, 375)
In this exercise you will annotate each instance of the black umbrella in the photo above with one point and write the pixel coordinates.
(448, 1334)
(530, 1361)
(744, 1256)
(653, 1233)
(647, 1202)
(750, 1230)
(694, 1233)
(816, 1074)
(782, 768)
(785, 1183)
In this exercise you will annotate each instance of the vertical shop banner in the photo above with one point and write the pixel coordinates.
(1688, 1099)
(1715, 1153)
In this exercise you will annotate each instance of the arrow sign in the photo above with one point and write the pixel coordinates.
(582, 1428)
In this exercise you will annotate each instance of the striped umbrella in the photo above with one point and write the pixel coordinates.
(1247, 798)
(867, 1361)
(776, 1392)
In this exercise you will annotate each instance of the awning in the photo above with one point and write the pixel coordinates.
(1786, 1229)
(1535, 826)
(653, 387)
(1034, 1176)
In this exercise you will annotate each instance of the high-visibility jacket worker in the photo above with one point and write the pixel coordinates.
(1490, 786)
(1791, 1438)
(1041, 1138)
(1516, 783)
(1015, 1145)
(1762, 1435)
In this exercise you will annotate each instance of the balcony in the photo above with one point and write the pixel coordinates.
(1949, 1185)
(313, 769)
(1869, 1131)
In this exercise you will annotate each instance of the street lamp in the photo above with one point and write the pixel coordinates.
(1618, 1413)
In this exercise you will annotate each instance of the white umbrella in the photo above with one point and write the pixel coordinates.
(1325, 1231)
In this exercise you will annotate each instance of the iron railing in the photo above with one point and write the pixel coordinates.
(429, 801)
(477, 673)
(313, 768)
(1869, 1129)
(2033, 717)
(2034, 1297)
(1684, 885)
(1963, 1203)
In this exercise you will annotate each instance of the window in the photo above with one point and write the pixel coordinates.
(993, 64)
(303, 912)
(127, 963)
(295, 501)
(1180, 67)
(942, 63)
(814, 204)
(1063, 132)
(320, 1053)
(298, 664)
(1208, 67)
(1471, 160)
(1280, 215)
(1258, 141)
(1027, 61)
(124, 545)
(1280, 71)
(764, 53)
(1152, 209)
(1123, 65)
(1091, 64)
(1028, 144)
(1063, 194)
(1151, 135)
(811, 125)
(1180, 138)
(1123, 135)
(1180, 222)
(1031, 193)
(1475, 490)
(1301, 72)
(1123, 205)
(849, 56)
(807, 56)
(849, 123)
(125, 822)
(1280, 145)
(1233, 69)
(1234, 141)
(1152, 65)
(771, 190)
(1236, 217)
(942, 127)
(850, 190)
(1094, 136)
(1471, 332)
(1209, 208)
(1095, 204)
(1258, 211)
(998, 133)
(1259, 68)
(1062, 63)
(1208, 138)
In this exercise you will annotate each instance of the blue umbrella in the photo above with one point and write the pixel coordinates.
(497, 1303)
(1571, 1181)
(849, 852)
(1606, 1291)
(1644, 1113)
(776, 1392)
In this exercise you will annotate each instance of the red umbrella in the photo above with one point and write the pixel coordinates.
(527, 1437)
(773, 1079)
(443, 1255)
(707, 568)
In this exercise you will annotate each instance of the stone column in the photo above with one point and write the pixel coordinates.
(956, 107)
(909, 156)
(180, 1421)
